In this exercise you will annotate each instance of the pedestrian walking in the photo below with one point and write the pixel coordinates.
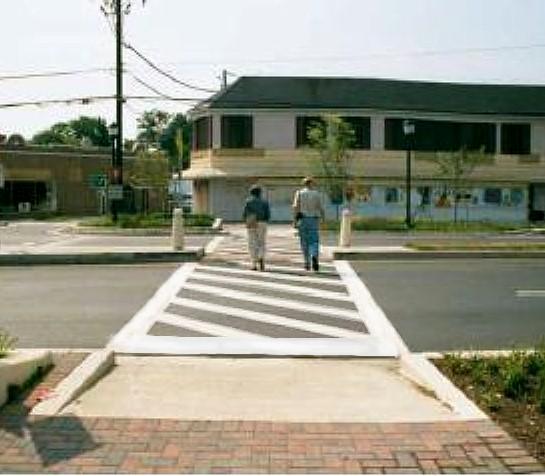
(256, 215)
(308, 211)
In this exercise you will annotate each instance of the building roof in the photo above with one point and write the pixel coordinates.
(379, 94)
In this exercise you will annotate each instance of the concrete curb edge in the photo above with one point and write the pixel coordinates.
(361, 255)
(129, 257)
(80, 379)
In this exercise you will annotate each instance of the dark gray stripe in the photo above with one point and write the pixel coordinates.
(275, 293)
(267, 278)
(161, 329)
(356, 326)
(267, 330)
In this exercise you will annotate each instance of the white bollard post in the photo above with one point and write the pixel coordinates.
(345, 237)
(178, 229)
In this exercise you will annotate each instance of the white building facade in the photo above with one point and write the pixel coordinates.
(255, 132)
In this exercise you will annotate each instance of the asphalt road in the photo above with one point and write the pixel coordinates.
(460, 304)
(74, 306)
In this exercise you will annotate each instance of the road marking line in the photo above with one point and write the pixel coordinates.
(212, 246)
(203, 327)
(320, 293)
(279, 276)
(364, 346)
(268, 318)
(529, 293)
(344, 314)
(144, 319)
(373, 316)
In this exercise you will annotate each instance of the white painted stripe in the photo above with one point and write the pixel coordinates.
(268, 318)
(144, 319)
(275, 286)
(278, 276)
(530, 293)
(213, 245)
(373, 316)
(365, 346)
(344, 314)
(296, 268)
(204, 327)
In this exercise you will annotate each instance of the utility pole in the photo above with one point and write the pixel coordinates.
(119, 91)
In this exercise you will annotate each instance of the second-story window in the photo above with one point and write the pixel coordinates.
(237, 132)
(362, 131)
(202, 133)
(304, 125)
(515, 139)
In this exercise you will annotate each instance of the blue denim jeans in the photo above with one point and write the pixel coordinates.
(309, 236)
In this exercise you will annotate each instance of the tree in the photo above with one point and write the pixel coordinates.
(456, 167)
(92, 130)
(333, 138)
(150, 170)
(151, 125)
(175, 142)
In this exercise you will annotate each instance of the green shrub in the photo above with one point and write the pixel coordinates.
(7, 343)
(151, 220)
(516, 383)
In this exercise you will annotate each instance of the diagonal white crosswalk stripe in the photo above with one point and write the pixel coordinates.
(203, 327)
(345, 314)
(268, 318)
(272, 275)
(302, 290)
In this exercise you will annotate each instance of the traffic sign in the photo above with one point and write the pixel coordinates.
(97, 180)
(115, 192)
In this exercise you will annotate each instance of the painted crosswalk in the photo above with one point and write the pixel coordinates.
(220, 306)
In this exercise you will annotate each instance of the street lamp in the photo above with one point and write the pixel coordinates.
(113, 132)
(408, 131)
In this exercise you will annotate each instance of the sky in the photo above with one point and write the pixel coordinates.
(478, 41)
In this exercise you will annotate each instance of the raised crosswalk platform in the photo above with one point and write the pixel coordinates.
(221, 307)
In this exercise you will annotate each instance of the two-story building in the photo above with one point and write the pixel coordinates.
(255, 130)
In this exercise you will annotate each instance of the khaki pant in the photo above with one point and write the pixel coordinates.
(256, 241)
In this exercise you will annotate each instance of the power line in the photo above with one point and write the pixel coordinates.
(52, 74)
(52, 102)
(148, 86)
(164, 73)
(306, 59)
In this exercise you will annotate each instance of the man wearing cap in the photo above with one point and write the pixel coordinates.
(308, 210)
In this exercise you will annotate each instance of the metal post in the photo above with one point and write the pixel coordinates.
(113, 205)
(408, 189)
(119, 90)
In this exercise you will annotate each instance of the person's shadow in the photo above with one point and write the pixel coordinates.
(43, 440)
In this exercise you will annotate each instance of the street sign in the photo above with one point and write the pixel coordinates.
(115, 192)
(97, 180)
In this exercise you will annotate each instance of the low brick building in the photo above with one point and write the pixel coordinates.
(59, 179)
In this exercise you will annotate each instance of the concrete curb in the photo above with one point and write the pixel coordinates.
(215, 229)
(364, 255)
(416, 367)
(17, 367)
(83, 377)
(116, 257)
